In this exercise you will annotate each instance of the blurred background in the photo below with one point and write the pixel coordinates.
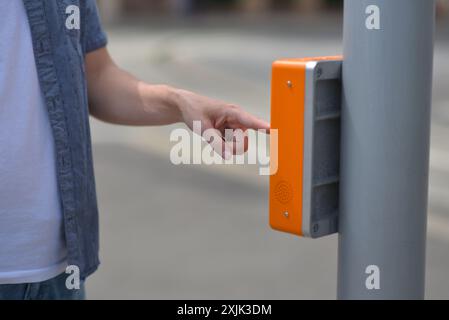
(118, 8)
(198, 232)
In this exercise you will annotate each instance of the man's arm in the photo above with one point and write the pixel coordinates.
(117, 97)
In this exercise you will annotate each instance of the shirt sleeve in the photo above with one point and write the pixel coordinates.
(94, 35)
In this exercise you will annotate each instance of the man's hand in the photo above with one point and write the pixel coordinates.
(217, 116)
(117, 97)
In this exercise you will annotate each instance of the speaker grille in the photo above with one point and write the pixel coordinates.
(283, 192)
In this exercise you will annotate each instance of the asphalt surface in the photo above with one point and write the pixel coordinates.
(197, 232)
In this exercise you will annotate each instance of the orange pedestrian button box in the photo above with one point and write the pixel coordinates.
(305, 109)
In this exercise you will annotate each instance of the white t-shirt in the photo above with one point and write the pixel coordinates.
(32, 244)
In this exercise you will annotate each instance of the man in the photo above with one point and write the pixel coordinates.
(55, 70)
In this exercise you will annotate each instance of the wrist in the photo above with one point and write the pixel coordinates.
(168, 98)
(177, 98)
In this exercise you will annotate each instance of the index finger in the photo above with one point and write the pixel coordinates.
(249, 121)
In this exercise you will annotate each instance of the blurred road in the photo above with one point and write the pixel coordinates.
(198, 232)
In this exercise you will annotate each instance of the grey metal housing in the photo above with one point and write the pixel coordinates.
(321, 162)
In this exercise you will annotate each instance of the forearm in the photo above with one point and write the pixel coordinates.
(117, 97)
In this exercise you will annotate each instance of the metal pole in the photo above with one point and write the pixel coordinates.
(387, 84)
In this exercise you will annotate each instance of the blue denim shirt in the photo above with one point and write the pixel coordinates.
(59, 53)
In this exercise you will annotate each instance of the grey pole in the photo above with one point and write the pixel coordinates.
(387, 84)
